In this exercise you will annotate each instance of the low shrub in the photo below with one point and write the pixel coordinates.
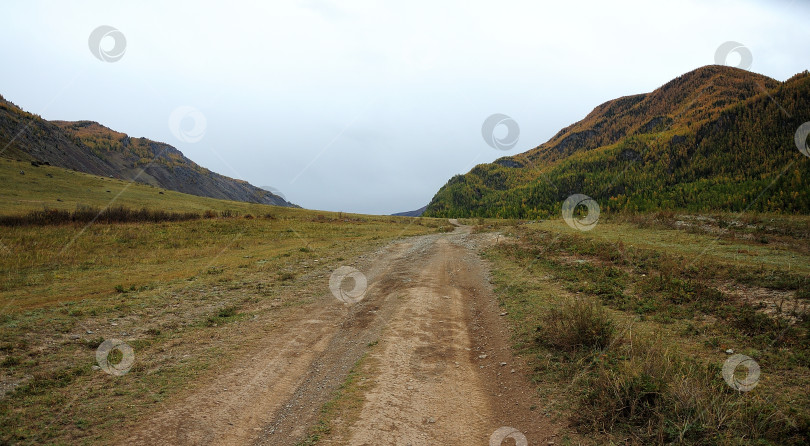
(222, 316)
(657, 396)
(82, 214)
(578, 324)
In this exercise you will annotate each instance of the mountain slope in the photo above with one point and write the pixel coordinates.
(415, 213)
(89, 147)
(712, 139)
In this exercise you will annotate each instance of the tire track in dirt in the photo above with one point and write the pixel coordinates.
(443, 372)
(437, 375)
(427, 389)
(245, 403)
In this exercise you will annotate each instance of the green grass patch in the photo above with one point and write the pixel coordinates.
(628, 340)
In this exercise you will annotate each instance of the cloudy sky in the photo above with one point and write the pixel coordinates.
(367, 106)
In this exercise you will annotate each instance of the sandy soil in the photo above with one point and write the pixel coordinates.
(443, 371)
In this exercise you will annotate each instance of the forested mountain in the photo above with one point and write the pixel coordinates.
(716, 138)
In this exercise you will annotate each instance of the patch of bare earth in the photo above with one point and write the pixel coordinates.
(774, 303)
(442, 372)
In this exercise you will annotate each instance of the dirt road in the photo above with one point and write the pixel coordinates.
(438, 361)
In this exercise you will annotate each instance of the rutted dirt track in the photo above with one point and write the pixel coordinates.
(443, 371)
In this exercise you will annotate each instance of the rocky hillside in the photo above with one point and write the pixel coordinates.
(415, 213)
(716, 138)
(90, 147)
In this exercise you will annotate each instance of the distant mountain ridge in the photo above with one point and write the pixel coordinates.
(89, 147)
(716, 138)
(416, 213)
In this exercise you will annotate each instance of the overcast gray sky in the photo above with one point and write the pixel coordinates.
(367, 106)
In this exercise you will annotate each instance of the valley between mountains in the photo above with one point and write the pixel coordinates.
(147, 300)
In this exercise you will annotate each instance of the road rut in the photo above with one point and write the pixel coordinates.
(442, 370)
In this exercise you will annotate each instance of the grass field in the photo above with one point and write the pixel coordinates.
(167, 289)
(57, 188)
(627, 326)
